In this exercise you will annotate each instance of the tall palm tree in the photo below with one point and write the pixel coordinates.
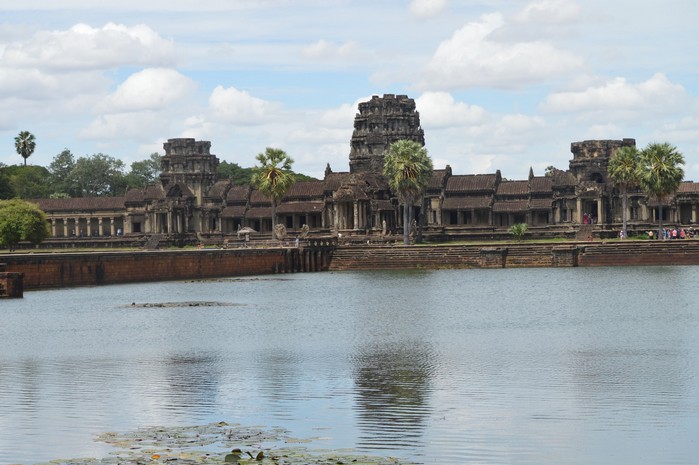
(273, 177)
(623, 171)
(408, 168)
(660, 173)
(25, 144)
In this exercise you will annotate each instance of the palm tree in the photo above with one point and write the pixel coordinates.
(660, 173)
(273, 177)
(623, 171)
(408, 168)
(25, 144)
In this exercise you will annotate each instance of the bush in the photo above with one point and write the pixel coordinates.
(518, 230)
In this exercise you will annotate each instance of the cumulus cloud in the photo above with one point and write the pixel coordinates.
(472, 57)
(231, 105)
(83, 47)
(324, 50)
(121, 126)
(150, 89)
(618, 97)
(422, 9)
(549, 11)
(439, 109)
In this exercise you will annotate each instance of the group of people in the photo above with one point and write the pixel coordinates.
(671, 233)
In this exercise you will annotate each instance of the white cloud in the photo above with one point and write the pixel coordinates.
(139, 126)
(620, 99)
(83, 47)
(427, 8)
(550, 11)
(323, 50)
(150, 89)
(239, 107)
(471, 57)
(438, 109)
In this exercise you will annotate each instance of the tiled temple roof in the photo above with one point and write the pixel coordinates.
(541, 184)
(235, 211)
(219, 189)
(259, 212)
(258, 198)
(301, 207)
(147, 194)
(237, 194)
(80, 204)
(305, 189)
(467, 203)
(436, 180)
(472, 183)
(540, 204)
(513, 188)
(511, 206)
(688, 187)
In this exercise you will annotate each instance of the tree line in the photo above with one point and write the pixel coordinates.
(97, 175)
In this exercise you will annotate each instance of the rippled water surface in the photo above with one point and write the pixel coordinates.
(513, 366)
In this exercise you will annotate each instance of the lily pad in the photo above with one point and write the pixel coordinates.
(217, 443)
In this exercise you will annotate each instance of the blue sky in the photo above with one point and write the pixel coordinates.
(499, 84)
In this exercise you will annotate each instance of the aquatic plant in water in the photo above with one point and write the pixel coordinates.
(218, 443)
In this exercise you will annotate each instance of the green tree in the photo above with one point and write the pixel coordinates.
(6, 191)
(21, 221)
(517, 230)
(623, 171)
(273, 177)
(98, 175)
(233, 171)
(25, 143)
(408, 168)
(660, 173)
(243, 176)
(60, 168)
(29, 182)
(550, 170)
(144, 172)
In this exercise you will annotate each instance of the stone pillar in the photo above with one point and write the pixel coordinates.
(53, 227)
(65, 227)
(694, 213)
(600, 210)
(100, 226)
(88, 220)
(557, 212)
(112, 226)
(578, 210)
(356, 214)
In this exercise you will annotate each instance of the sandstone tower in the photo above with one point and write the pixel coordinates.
(591, 157)
(189, 162)
(380, 122)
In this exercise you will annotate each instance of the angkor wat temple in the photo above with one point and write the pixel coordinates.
(191, 202)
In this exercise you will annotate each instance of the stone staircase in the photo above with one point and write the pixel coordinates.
(585, 232)
(152, 242)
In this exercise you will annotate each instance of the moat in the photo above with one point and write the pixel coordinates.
(519, 366)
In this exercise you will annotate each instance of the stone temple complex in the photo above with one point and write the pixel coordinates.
(191, 204)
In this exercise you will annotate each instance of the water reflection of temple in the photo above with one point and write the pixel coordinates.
(190, 201)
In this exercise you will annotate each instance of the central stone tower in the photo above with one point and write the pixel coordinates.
(380, 122)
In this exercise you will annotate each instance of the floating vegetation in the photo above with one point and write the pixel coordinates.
(216, 443)
(180, 304)
(237, 279)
